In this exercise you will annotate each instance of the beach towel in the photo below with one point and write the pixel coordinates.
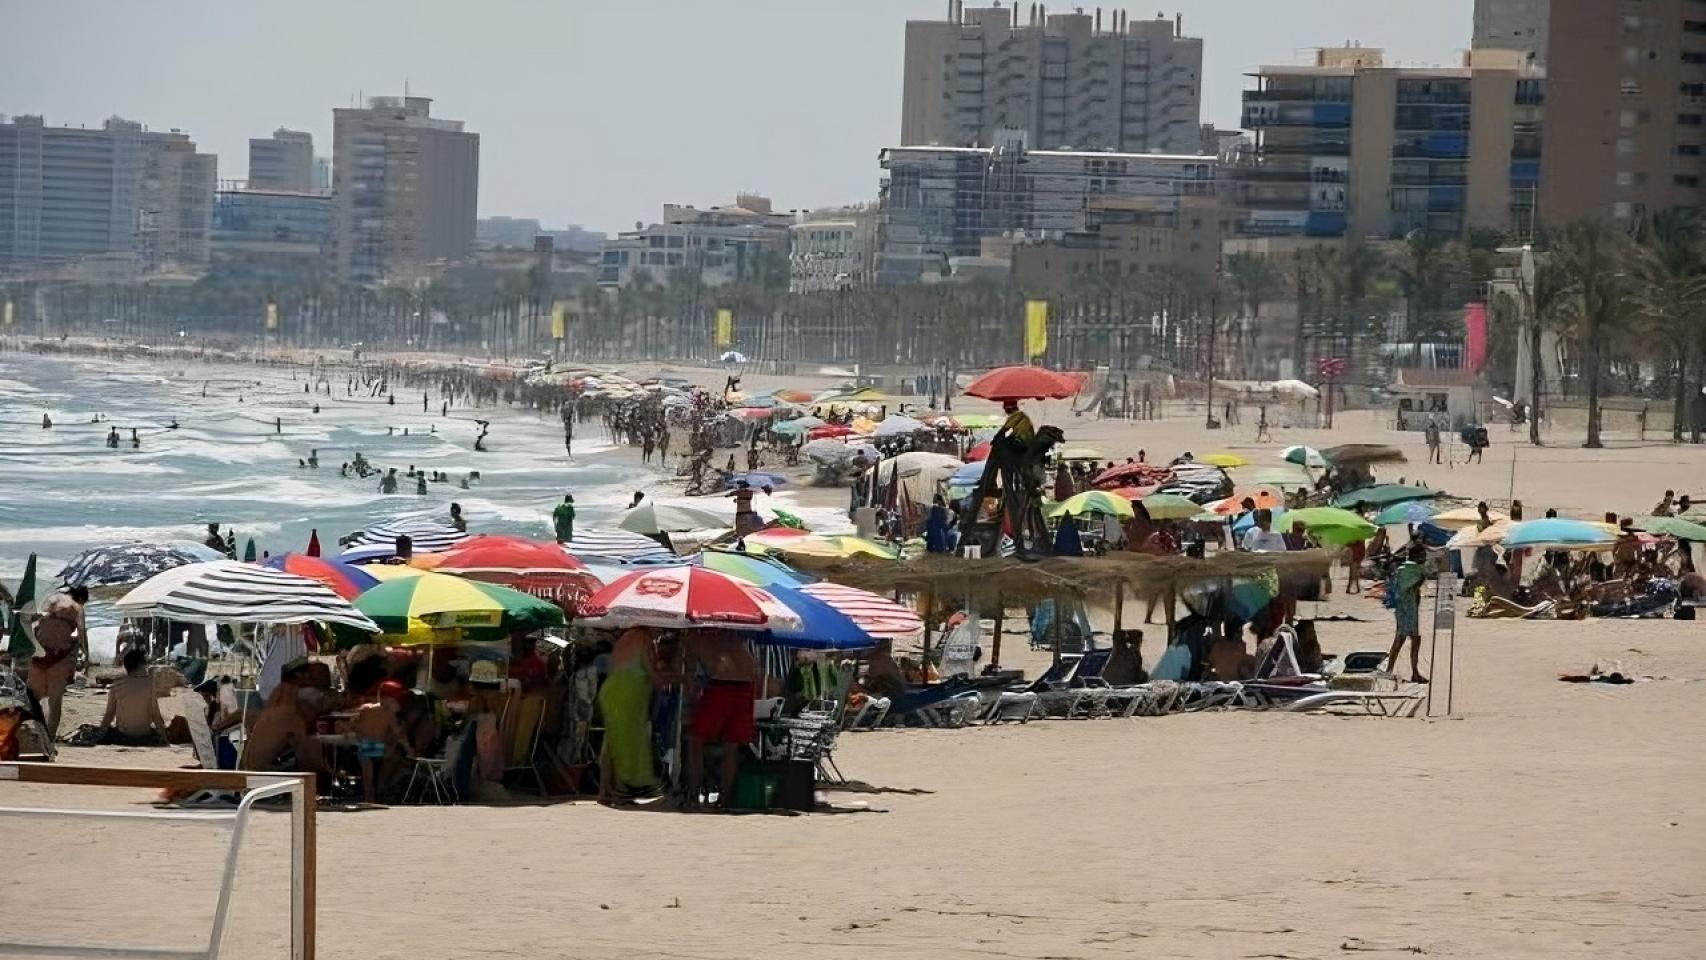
(626, 700)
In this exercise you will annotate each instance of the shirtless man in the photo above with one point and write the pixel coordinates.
(724, 711)
(281, 738)
(376, 730)
(133, 714)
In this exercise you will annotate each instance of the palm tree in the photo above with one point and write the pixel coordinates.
(1546, 304)
(1594, 252)
(1427, 266)
(1669, 260)
(1255, 279)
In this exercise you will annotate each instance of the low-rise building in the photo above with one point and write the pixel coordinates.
(723, 245)
(271, 232)
(832, 250)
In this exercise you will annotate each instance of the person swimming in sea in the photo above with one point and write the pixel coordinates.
(46, 422)
(112, 439)
(388, 483)
(135, 439)
(420, 485)
(173, 425)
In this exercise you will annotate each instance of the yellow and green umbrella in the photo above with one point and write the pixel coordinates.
(796, 543)
(1224, 460)
(1170, 506)
(1092, 501)
(442, 602)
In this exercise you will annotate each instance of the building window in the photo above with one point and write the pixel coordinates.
(1631, 24)
(1686, 180)
(1631, 87)
(1626, 118)
(1631, 55)
(1622, 209)
(1625, 146)
(1625, 178)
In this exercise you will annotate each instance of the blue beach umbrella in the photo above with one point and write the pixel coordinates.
(766, 572)
(822, 627)
(1413, 511)
(1556, 532)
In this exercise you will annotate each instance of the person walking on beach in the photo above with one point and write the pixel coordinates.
(58, 635)
(1262, 432)
(563, 519)
(1430, 433)
(1405, 594)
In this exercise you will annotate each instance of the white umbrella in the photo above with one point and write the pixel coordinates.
(652, 517)
(899, 425)
(226, 591)
(616, 546)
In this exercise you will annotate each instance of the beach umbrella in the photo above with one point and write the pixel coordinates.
(1413, 511)
(1248, 520)
(1673, 527)
(535, 567)
(686, 596)
(1384, 495)
(616, 546)
(652, 517)
(793, 396)
(313, 543)
(1092, 501)
(791, 428)
(760, 570)
(1025, 383)
(249, 551)
(829, 430)
(380, 541)
(732, 356)
(21, 639)
(758, 479)
(1224, 460)
(1132, 474)
(968, 475)
(818, 545)
(226, 591)
(1331, 525)
(1463, 517)
(877, 615)
(821, 626)
(128, 564)
(1264, 498)
(978, 452)
(1556, 533)
(346, 580)
(899, 426)
(979, 421)
(1080, 453)
(444, 602)
(1470, 537)
(1170, 506)
(1303, 456)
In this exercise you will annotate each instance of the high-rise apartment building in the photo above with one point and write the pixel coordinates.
(1628, 77)
(1513, 25)
(70, 193)
(941, 203)
(407, 187)
(1348, 146)
(283, 161)
(1072, 81)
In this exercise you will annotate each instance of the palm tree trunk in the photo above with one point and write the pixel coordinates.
(1679, 408)
(1593, 360)
(1536, 381)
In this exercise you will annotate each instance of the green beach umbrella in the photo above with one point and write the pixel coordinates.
(1385, 495)
(1303, 456)
(1410, 511)
(22, 641)
(249, 552)
(1170, 506)
(1674, 527)
(1331, 525)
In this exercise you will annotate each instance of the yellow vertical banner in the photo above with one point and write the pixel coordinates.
(1036, 328)
(9, 316)
(725, 327)
(559, 320)
(272, 316)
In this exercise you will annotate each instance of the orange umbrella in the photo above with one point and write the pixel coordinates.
(1025, 383)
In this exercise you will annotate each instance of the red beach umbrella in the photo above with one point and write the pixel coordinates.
(1025, 383)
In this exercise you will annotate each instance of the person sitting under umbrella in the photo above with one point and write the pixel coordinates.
(133, 714)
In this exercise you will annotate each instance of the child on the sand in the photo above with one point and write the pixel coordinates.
(376, 729)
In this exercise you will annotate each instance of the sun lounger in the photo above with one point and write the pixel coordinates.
(940, 705)
(1374, 704)
(1022, 704)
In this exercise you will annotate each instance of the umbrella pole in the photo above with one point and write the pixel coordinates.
(1119, 605)
(929, 608)
(995, 648)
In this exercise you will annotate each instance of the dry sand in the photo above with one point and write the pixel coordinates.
(1544, 820)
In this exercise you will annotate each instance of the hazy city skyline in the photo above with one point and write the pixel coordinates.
(598, 113)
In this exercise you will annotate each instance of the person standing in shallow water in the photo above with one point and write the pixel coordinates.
(563, 519)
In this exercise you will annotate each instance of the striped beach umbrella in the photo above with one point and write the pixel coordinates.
(128, 564)
(685, 596)
(611, 545)
(380, 541)
(226, 591)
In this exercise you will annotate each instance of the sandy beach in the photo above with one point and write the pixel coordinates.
(1543, 819)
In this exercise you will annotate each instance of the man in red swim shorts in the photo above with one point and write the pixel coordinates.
(724, 711)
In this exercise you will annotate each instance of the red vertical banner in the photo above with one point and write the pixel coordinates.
(1475, 340)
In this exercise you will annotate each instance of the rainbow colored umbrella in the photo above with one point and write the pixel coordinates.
(346, 580)
(445, 602)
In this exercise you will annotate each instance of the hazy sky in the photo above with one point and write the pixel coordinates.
(595, 111)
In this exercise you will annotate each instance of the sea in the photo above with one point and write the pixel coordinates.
(235, 457)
